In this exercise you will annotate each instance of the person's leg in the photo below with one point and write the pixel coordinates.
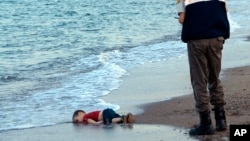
(199, 73)
(197, 54)
(215, 87)
(214, 63)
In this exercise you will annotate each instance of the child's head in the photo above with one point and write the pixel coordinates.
(78, 116)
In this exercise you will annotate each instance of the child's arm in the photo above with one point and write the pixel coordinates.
(91, 121)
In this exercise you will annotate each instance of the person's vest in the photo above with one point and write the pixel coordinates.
(205, 19)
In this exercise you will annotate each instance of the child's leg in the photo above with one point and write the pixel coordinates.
(110, 116)
(124, 119)
(117, 120)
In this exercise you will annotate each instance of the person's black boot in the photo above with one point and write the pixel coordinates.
(220, 118)
(205, 127)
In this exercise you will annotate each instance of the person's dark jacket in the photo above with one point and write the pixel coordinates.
(204, 20)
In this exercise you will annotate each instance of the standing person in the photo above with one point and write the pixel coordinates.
(205, 26)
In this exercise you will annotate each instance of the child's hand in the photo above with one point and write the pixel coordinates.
(91, 121)
(99, 122)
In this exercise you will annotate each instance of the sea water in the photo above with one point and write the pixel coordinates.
(61, 55)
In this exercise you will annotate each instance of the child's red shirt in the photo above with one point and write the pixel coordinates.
(92, 115)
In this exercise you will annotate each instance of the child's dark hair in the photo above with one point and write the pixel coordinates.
(76, 114)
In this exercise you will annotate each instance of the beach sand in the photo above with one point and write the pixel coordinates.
(180, 111)
(70, 132)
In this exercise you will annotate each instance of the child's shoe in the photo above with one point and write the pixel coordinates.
(130, 118)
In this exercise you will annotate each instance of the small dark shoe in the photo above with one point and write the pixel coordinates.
(124, 119)
(130, 118)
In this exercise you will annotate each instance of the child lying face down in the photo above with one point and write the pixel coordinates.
(107, 116)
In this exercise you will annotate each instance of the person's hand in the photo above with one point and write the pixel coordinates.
(181, 17)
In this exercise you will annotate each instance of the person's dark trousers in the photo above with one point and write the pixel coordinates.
(205, 65)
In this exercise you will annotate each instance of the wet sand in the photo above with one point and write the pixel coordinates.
(70, 132)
